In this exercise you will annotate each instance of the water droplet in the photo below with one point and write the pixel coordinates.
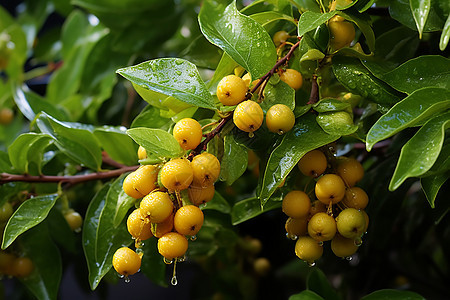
(311, 263)
(167, 261)
(320, 243)
(193, 238)
(126, 279)
(144, 86)
(280, 132)
(178, 73)
(139, 250)
(251, 134)
(78, 230)
(174, 280)
(358, 242)
(291, 236)
(351, 84)
(181, 259)
(349, 258)
(120, 276)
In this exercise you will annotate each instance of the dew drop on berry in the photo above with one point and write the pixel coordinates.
(291, 236)
(78, 230)
(349, 258)
(167, 261)
(120, 276)
(126, 279)
(358, 242)
(311, 264)
(251, 134)
(320, 243)
(181, 259)
(193, 238)
(280, 132)
(139, 250)
(174, 280)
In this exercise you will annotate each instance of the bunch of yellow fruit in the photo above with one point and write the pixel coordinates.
(337, 215)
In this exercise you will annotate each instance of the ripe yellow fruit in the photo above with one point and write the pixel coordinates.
(322, 227)
(280, 118)
(351, 223)
(342, 33)
(74, 219)
(316, 207)
(262, 266)
(296, 204)
(330, 188)
(206, 169)
(6, 115)
(188, 133)
(6, 263)
(248, 81)
(188, 220)
(126, 261)
(308, 249)
(6, 212)
(231, 90)
(313, 163)
(22, 267)
(138, 226)
(145, 179)
(160, 229)
(356, 197)
(200, 195)
(248, 116)
(142, 153)
(172, 245)
(280, 37)
(158, 206)
(177, 174)
(343, 247)
(128, 186)
(292, 77)
(350, 170)
(296, 227)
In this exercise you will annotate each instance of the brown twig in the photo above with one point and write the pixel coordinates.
(109, 161)
(314, 95)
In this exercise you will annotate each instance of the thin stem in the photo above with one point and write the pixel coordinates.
(314, 96)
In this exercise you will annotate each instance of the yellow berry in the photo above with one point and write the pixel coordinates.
(296, 204)
(188, 220)
(145, 179)
(308, 249)
(356, 197)
(126, 261)
(313, 163)
(172, 245)
(142, 153)
(330, 188)
(22, 267)
(262, 266)
(6, 115)
(177, 174)
(280, 118)
(248, 81)
(351, 223)
(292, 77)
(316, 207)
(296, 227)
(342, 33)
(74, 219)
(200, 195)
(188, 133)
(322, 227)
(138, 226)
(206, 169)
(343, 247)
(158, 206)
(280, 37)
(160, 229)
(6, 263)
(6, 212)
(128, 186)
(248, 116)
(350, 170)
(231, 90)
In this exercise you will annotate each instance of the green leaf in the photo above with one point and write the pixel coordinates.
(393, 295)
(312, 54)
(420, 10)
(249, 208)
(306, 295)
(44, 281)
(331, 104)
(118, 145)
(225, 67)
(61, 232)
(234, 160)
(28, 148)
(174, 77)
(336, 123)
(217, 203)
(124, 203)
(241, 37)
(318, 283)
(397, 45)
(202, 53)
(352, 74)
(311, 20)
(432, 184)
(304, 137)
(157, 141)
(73, 139)
(423, 149)
(423, 71)
(151, 117)
(445, 35)
(364, 24)
(267, 17)
(279, 93)
(30, 213)
(400, 10)
(442, 163)
(100, 238)
(152, 264)
(414, 109)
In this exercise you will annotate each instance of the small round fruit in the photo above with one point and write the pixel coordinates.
(206, 169)
(355, 197)
(160, 229)
(6, 212)
(188, 133)
(308, 249)
(172, 245)
(177, 174)
(343, 247)
(280, 118)
(22, 267)
(342, 33)
(231, 90)
(296, 227)
(126, 261)
(248, 116)
(145, 179)
(6, 115)
(351, 223)
(158, 206)
(261, 265)
(313, 163)
(316, 207)
(280, 37)
(128, 186)
(350, 170)
(142, 153)
(138, 226)
(201, 195)
(188, 220)
(292, 77)
(74, 219)
(330, 188)
(322, 227)
(296, 204)
(6, 263)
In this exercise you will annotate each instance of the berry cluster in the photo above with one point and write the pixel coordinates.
(338, 213)
(171, 194)
(12, 265)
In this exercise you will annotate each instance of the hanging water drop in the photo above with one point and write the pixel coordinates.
(311, 264)
(127, 279)
(174, 280)
(78, 230)
(349, 258)
(181, 259)
(358, 242)
(251, 134)
(167, 261)
(193, 238)
(320, 243)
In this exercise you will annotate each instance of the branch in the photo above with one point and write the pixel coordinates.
(314, 96)
(6, 177)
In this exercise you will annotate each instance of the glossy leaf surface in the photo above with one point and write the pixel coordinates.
(234, 160)
(157, 141)
(249, 208)
(28, 148)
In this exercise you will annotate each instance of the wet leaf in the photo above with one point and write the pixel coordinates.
(118, 145)
(432, 184)
(234, 160)
(318, 283)
(279, 93)
(330, 104)
(152, 265)
(156, 141)
(445, 35)
(409, 112)
(336, 123)
(306, 295)
(420, 10)
(28, 148)
(124, 203)
(217, 203)
(267, 17)
(311, 20)
(249, 208)
(393, 295)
